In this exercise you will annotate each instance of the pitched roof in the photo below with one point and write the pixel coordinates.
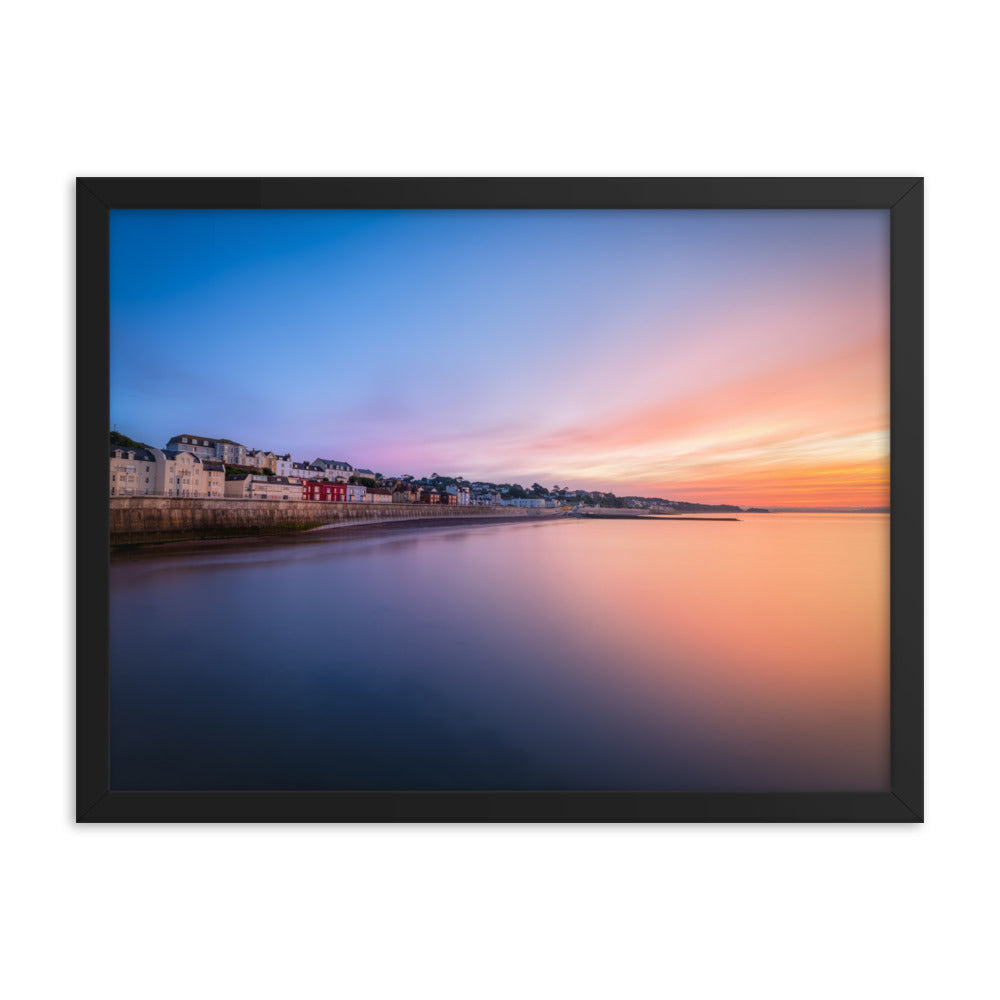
(201, 438)
(141, 454)
(174, 453)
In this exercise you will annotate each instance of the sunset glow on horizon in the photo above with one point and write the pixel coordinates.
(718, 356)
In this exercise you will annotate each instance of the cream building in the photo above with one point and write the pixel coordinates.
(133, 472)
(214, 480)
(263, 460)
(152, 472)
(263, 488)
(180, 474)
(405, 493)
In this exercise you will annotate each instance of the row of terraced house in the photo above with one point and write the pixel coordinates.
(196, 466)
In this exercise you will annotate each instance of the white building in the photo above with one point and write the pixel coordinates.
(356, 493)
(330, 468)
(220, 449)
(463, 494)
(303, 470)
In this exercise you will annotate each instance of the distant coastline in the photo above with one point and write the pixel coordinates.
(829, 510)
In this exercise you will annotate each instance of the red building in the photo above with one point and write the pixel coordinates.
(312, 490)
(336, 492)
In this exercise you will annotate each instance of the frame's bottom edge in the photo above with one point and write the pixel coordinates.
(503, 807)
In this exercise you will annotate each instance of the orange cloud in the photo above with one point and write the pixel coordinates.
(812, 433)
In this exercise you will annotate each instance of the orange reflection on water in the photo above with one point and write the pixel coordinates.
(765, 639)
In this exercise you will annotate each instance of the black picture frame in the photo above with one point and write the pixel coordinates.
(903, 197)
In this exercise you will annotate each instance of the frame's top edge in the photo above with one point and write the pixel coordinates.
(499, 192)
(473, 178)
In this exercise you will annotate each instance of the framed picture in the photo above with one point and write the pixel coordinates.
(468, 499)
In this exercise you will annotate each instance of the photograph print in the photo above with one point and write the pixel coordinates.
(501, 500)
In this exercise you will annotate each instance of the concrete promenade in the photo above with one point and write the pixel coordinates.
(149, 520)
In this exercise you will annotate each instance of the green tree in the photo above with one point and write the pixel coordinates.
(243, 470)
(119, 440)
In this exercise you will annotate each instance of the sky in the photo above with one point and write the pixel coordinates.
(716, 356)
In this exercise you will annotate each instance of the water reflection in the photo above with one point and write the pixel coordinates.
(573, 654)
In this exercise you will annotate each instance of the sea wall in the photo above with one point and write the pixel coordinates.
(149, 520)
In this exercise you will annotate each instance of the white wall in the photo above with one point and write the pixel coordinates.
(504, 912)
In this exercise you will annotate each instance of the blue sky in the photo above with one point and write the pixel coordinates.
(457, 341)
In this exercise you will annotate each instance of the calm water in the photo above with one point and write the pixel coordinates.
(555, 655)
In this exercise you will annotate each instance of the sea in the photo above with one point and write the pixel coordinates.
(550, 654)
